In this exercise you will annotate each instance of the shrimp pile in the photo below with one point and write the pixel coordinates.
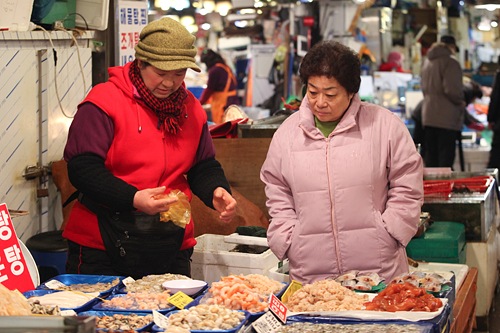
(207, 318)
(238, 292)
(262, 284)
(12, 303)
(325, 295)
(139, 301)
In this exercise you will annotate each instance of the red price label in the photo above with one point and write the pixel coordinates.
(278, 308)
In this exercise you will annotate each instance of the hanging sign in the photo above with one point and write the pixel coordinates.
(14, 273)
(132, 17)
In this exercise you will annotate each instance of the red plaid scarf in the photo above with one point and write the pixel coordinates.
(168, 110)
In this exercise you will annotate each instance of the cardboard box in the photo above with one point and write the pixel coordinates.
(212, 260)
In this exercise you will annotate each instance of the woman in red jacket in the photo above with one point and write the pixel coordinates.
(134, 137)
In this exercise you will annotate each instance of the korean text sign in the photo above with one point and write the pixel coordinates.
(14, 273)
(132, 16)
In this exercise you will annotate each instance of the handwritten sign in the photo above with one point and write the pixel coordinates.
(14, 273)
(180, 300)
(267, 323)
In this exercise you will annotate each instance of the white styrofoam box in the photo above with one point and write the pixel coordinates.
(278, 274)
(247, 240)
(15, 15)
(212, 260)
(95, 13)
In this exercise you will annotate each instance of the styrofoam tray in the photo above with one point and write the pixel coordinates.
(378, 315)
(247, 240)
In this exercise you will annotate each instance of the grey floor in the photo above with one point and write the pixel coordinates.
(491, 324)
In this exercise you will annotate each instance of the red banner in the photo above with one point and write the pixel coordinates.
(14, 273)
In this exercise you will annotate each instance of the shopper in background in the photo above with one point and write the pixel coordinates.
(472, 91)
(343, 178)
(443, 106)
(494, 121)
(221, 86)
(133, 138)
(394, 63)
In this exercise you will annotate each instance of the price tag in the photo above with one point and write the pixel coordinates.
(293, 287)
(180, 300)
(54, 284)
(19, 293)
(278, 308)
(68, 313)
(267, 323)
(128, 281)
(160, 319)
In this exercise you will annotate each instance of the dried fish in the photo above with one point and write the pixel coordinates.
(371, 277)
(349, 275)
(153, 283)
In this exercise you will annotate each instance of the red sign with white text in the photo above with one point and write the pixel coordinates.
(14, 273)
(278, 308)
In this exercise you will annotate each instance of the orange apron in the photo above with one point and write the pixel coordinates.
(219, 98)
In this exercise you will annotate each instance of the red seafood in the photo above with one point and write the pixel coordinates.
(404, 297)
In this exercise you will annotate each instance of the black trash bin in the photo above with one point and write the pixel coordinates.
(50, 251)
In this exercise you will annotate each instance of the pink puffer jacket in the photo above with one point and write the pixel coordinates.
(349, 201)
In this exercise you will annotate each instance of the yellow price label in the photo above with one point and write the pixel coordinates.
(180, 300)
(293, 287)
(19, 293)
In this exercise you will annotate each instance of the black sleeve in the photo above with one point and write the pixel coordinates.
(493, 108)
(204, 177)
(89, 175)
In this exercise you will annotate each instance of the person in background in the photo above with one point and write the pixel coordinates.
(472, 91)
(443, 105)
(394, 63)
(494, 121)
(342, 177)
(134, 138)
(221, 86)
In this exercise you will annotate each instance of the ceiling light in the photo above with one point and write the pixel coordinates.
(223, 7)
(187, 20)
(490, 5)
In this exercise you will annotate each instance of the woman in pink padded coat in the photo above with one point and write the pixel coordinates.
(344, 182)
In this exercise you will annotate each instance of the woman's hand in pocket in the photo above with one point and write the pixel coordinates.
(153, 200)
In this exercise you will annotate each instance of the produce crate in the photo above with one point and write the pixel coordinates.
(212, 260)
(442, 242)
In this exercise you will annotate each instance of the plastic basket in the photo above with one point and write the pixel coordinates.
(437, 188)
(474, 184)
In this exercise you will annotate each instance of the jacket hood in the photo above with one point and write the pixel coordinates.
(438, 51)
(120, 78)
(306, 117)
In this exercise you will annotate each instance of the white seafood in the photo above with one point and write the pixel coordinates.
(325, 295)
(349, 275)
(206, 317)
(64, 299)
(153, 283)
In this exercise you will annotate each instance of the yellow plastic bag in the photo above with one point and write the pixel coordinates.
(179, 212)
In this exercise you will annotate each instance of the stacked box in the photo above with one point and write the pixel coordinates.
(443, 242)
(212, 260)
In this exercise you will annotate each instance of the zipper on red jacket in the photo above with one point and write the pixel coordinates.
(334, 229)
(163, 139)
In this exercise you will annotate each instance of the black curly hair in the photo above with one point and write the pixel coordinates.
(210, 58)
(332, 59)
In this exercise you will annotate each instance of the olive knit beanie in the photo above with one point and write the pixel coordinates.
(167, 45)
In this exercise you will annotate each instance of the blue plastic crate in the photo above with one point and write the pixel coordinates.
(146, 328)
(69, 279)
(84, 307)
(99, 307)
